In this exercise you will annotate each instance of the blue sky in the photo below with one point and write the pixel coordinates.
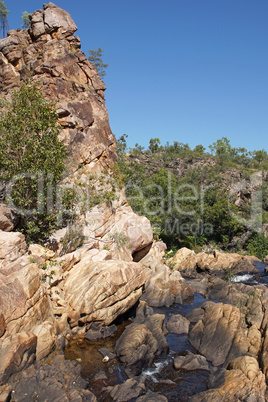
(190, 71)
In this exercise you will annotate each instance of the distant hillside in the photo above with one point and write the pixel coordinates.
(200, 199)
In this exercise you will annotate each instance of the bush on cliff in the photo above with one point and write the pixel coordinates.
(32, 159)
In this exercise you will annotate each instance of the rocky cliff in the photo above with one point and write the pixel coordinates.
(46, 294)
(49, 53)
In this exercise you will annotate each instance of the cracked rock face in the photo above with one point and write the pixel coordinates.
(49, 53)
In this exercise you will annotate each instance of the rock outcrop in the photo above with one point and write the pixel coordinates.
(221, 334)
(49, 53)
(242, 381)
(191, 264)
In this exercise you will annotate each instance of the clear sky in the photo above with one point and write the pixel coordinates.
(190, 71)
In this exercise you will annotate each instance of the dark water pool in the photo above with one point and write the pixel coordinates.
(176, 385)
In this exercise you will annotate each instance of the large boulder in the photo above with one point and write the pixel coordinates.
(12, 246)
(20, 286)
(130, 389)
(8, 218)
(190, 264)
(177, 324)
(55, 17)
(25, 305)
(101, 291)
(50, 20)
(165, 287)
(190, 362)
(219, 261)
(129, 233)
(218, 334)
(183, 260)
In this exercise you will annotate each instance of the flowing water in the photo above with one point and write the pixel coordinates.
(176, 385)
(161, 377)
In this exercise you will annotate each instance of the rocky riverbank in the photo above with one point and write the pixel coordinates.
(73, 293)
(221, 342)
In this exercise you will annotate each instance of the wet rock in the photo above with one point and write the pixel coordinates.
(143, 339)
(55, 379)
(106, 352)
(131, 388)
(152, 397)
(200, 286)
(191, 362)
(100, 332)
(101, 376)
(196, 315)
(177, 324)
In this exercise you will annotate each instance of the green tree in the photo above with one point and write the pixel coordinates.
(25, 18)
(223, 150)
(154, 145)
(3, 18)
(200, 149)
(95, 57)
(121, 144)
(260, 156)
(32, 159)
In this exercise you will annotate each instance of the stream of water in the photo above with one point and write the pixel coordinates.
(176, 385)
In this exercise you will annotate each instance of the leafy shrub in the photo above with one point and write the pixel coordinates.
(32, 159)
(258, 245)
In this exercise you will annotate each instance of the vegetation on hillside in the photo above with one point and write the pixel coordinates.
(194, 198)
